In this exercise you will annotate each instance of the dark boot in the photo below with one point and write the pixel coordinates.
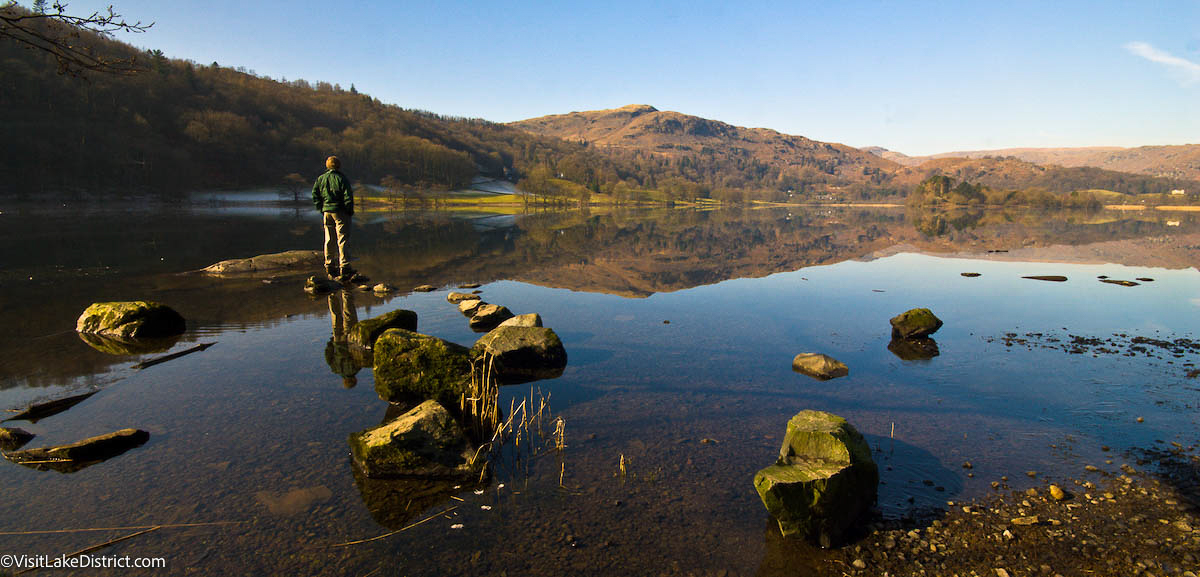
(332, 271)
(347, 273)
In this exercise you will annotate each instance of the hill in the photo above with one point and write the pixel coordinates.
(175, 124)
(1175, 161)
(720, 156)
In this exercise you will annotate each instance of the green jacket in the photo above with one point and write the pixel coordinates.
(332, 193)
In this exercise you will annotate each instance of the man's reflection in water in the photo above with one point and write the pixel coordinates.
(343, 316)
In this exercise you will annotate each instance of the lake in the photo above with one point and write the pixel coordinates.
(680, 326)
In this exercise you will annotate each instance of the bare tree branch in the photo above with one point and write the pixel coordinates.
(62, 35)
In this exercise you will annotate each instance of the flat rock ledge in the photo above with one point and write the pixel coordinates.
(424, 442)
(819, 366)
(823, 481)
(266, 263)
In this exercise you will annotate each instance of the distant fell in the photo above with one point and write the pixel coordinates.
(724, 154)
(1167, 161)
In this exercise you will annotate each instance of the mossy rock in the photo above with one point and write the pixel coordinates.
(131, 319)
(364, 333)
(424, 442)
(915, 323)
(522, 354)
(411, 364)
(823, 480)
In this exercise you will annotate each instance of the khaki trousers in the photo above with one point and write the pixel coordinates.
(337, 229)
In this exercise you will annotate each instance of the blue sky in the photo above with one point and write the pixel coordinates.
(916, 77)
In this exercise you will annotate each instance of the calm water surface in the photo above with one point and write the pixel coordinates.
(680, 328)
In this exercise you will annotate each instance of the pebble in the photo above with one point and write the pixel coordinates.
(1057, 493)
(859, 564)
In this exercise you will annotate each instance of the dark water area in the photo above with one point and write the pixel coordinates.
(680, 327)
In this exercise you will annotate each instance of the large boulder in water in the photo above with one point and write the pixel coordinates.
(522, 354)
(823, 480)
(365, 332)
(266, 263)
(424, 442)
(131, 319)
(819, 366)
(409, 364)
(915, 323)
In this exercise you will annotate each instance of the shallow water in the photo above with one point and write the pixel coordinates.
(680, 328)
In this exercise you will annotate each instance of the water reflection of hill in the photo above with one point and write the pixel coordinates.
(631, 253)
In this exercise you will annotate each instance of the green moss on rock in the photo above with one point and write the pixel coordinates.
(411, 364)
(424, 442)
(131, 319)
(365, 332)
(915, 323)
(823, 480)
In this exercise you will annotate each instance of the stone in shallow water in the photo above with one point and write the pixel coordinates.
(488, 317)
(469, 306)
(411, 364)
(457, 297)
(131, 319)
(81, 454)
(265, 263)
(12, 438)
(1047, 277)
(522, 354)
(525, 320)
(424, 442)
(819, 366)
(365, 332)
(823, 481)
(913, 323)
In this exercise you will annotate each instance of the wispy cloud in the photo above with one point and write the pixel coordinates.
(1185, 70)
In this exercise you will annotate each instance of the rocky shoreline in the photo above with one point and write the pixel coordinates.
(1125, 522)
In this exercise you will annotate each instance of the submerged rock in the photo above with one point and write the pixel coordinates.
(1119, 282)
(823, 481)
(39, 411)
(76, 456)
(398, 502)
(12, 438)
(1047, 277)
(425, 288)
(819, 366)
(522, 354)
(971, 274)
(920, 322)
(364, 333)
(424, 442)
(525, 320)
(272, 263)
(470, 285)
(412, 364)
(131, 319)
(916, 349)
(488, 317)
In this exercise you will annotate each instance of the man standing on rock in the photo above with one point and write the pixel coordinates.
(333, 197)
